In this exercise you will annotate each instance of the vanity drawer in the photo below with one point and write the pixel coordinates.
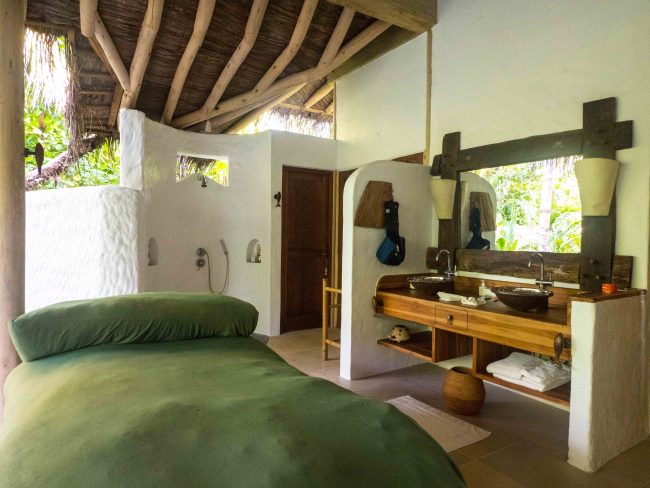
(451, 317)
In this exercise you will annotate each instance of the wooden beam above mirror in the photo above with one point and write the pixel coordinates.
(600, 137)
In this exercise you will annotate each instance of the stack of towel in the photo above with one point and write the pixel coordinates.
(530, 371)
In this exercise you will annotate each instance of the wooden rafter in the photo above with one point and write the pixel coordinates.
(223, 119)
(298, 36)
(94, 29)
(201, 24)
(330, 109)
(336, 40)
(112, 54)
(255, 114)
(301, 108)
(319, 94)
(237, 59)
(143, 48)
(387, 41)
(414, 15)
(118, 94)
(289, 82)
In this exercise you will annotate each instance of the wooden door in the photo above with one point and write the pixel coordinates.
(306, 245)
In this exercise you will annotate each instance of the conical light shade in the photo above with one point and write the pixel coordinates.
(596, 181)
(443, 192)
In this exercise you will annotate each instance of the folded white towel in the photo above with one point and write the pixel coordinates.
(511, 380)
(513, 365)
(546, 376)
(532, 385)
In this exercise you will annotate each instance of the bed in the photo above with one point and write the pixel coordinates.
(169, 390)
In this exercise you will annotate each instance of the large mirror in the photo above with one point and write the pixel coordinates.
(524, 207)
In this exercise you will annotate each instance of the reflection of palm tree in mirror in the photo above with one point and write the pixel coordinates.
(538, 205)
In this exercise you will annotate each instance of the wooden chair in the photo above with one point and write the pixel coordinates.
(329, 305)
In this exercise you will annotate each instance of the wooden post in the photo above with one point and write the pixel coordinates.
(426, 155)
(12, 179)
(449, 230)
(598, 233)
(325, 324)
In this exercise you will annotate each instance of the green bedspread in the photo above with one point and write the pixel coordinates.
(212, 412)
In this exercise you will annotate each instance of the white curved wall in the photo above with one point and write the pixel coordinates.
(80, 243)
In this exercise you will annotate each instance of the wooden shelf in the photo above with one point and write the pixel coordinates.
(560, 395)
(419, 345)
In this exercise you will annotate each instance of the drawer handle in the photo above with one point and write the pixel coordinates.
(450, 319)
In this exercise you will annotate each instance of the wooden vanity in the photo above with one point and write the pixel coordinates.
(488, 332)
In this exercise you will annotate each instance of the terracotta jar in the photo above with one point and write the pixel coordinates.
(463, 393)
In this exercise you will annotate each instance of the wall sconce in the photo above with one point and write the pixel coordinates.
(596, 181)
(444, 193)
(278, 199)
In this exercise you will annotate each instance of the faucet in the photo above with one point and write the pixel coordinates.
(541, 282)
(449, 271)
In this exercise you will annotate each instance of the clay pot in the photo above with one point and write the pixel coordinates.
(463, 393)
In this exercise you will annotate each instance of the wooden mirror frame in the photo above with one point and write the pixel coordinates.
(600, 137)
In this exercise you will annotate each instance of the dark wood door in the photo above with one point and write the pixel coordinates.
(306, 245)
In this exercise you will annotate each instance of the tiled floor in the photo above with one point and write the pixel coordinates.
(528, 445)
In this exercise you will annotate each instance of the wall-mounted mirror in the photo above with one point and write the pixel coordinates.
(537, 206)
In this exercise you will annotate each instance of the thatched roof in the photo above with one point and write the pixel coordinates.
(101, 93)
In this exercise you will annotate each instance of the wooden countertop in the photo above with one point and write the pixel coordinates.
(597, 296)
(553, 315)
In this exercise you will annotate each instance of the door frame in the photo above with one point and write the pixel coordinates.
(284, 240)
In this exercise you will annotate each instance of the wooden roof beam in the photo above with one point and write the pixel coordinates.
(223, 119)
(237, 59)
(298, 36)
(201, 24)
(285, 84)
(94, 29)
(319, 94)
(414, 15)
(255, 114)
(142, 55)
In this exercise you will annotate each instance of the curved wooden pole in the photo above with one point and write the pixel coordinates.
(237, 59)
(142, 55)
(285, 84)
(201, 24)
(289, 52)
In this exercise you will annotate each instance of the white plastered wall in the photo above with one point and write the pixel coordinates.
(80, 243)
(609, 384)
(182, 216)
(360, 354)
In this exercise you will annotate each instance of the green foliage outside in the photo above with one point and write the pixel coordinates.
(215, 169)
(538, 206)
(45, 80)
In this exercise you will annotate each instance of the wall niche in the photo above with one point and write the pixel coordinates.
(254, 252)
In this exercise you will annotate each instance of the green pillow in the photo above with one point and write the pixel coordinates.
(144, 317)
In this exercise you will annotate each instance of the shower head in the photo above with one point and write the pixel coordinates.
(223, 246)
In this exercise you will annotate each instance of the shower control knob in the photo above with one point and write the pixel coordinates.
(200, 263)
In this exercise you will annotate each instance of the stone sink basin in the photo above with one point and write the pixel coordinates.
(430, 285)
(523, 299)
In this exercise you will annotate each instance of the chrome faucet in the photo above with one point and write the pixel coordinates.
(541, 282)
(449, 271)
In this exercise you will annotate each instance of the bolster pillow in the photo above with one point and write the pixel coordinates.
(125, 319)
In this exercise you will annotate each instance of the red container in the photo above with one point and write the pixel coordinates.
(609, 288)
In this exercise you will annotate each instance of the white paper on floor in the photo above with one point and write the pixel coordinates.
(450, 432)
